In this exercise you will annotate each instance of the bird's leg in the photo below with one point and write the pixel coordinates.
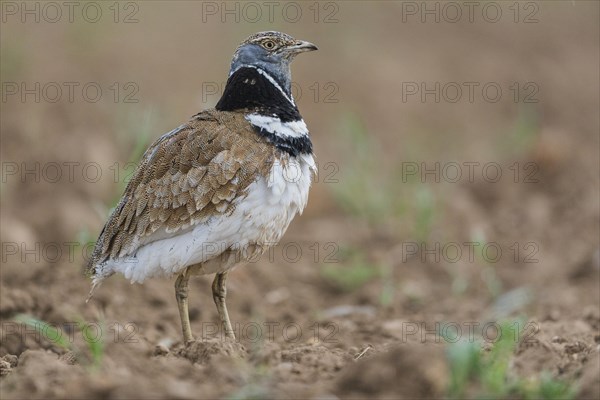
(219, 293)
(181, 294)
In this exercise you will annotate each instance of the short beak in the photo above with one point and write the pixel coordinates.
(300, 47)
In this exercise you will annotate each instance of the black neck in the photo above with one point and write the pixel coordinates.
(294, 146)
(248, 89)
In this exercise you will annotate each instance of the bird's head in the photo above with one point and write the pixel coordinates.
(272, 52)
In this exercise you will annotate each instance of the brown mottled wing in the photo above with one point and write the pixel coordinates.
(184, 178)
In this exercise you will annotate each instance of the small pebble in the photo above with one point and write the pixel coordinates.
(161, 350)
(558, 339)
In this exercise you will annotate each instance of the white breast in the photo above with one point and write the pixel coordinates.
(260, 219)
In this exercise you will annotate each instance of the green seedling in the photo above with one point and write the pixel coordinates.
(95, 345)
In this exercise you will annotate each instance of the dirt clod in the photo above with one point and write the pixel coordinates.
(398, 373)
(202, 351)
(7, 363)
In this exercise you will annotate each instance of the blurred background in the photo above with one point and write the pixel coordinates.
(458, 147)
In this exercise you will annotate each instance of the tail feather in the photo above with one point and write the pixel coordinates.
(95, 283)
(99, 275)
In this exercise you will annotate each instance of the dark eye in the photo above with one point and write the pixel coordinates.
(269, 45)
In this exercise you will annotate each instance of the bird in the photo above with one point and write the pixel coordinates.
(221, 188)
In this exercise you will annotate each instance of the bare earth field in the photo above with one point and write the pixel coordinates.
(450, 247)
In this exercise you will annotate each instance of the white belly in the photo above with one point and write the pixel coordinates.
(259, 221)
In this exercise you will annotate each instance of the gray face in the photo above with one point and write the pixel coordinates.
(272, 52)
(276, 65)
